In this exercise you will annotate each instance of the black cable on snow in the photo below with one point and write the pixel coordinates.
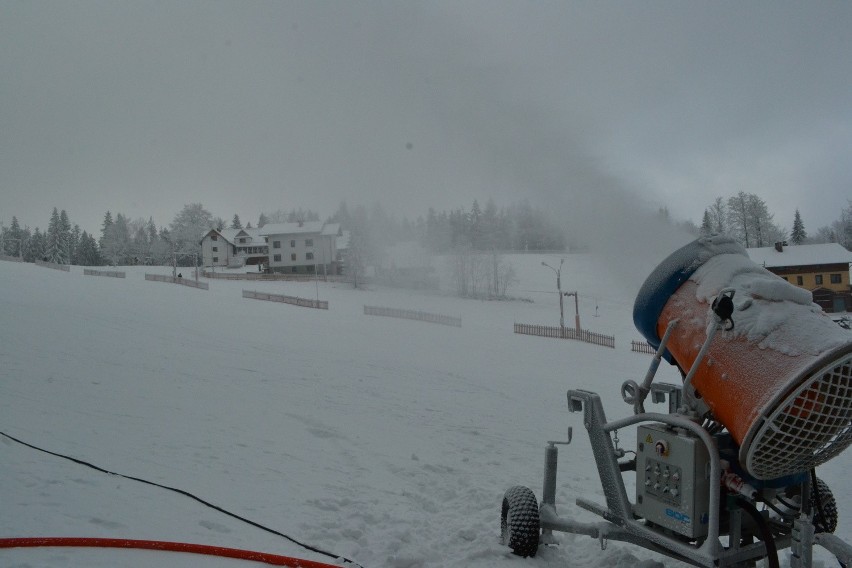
(191, 496)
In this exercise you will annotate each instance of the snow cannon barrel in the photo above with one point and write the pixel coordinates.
(780, 379)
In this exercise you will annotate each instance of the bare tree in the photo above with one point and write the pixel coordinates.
(480, 275)
(738, 218)
(718, 217)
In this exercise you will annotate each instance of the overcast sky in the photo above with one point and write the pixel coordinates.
(141, 107)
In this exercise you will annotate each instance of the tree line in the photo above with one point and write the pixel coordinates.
(746, 217)
(61, 243)
(123, 241)
(517, 227)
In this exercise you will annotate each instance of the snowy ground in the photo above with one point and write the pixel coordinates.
(386, 441)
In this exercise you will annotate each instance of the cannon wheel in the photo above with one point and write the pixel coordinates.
(519, 521)
(827, 505)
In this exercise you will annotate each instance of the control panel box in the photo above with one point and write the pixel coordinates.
(672, 479)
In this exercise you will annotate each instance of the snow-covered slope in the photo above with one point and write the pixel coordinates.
(387, 441)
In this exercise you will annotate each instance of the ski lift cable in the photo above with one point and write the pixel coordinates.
(191, 496)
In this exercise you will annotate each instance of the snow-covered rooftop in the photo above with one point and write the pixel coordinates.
(230, 235)
(800, 255)
(301, 228)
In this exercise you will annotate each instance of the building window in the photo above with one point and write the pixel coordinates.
(799, 280)
(309, 242)
(215, 259)
(785, 278)
(835, 279)
(276, 244)
(215, 249)
(818, 279)
(277, 258)
(214, 238)
(293, 245)
(293, 256)
(309, 256)
(309, 269)
(242, 240)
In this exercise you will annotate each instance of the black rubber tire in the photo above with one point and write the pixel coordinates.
(829, 507)
(520, 524)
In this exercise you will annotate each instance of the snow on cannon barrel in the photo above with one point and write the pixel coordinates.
(778, 375)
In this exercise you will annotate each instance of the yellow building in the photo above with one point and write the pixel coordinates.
(822, 269)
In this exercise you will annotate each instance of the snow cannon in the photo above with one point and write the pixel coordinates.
(777, 374)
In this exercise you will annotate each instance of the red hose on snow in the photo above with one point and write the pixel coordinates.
(237, 553)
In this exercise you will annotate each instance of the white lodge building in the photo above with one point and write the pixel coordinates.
(302, 248)
(233, 247)
(288, 248)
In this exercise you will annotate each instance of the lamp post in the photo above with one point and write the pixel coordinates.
(576, 309)
(558, 272)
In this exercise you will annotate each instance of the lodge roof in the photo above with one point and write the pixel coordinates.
(800, 255)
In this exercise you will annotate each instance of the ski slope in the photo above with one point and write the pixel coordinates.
(386, 441)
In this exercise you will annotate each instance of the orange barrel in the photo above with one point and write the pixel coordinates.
(780, 380)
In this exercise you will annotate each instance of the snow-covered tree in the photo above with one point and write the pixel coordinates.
(798, 236)
(236, 223)
(74, 243)
(65, 236)
(843, 227)
(35, 248)
(54, 245)
(13, 238)
(161, 248)
(824, 235)
(719, 217)
(490, 231)
(474, 223)
(188, 228)
(261, 221)
(115, 242)
(360, 252)
(107, 223)
(706, 224)
(738, 218)
(765, 232)
(87, 251)
(751, 223)
(140, 246)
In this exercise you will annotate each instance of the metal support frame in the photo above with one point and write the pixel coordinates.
(621, 524)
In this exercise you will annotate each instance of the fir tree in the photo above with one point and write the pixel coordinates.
(13, 239)
(152, 230)
(115, 243)
(798, 236)
(105, 226)
(65, 236)
(76, 237)
(87, 251)
(35, 247)
(53, 251)
(236, 224)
